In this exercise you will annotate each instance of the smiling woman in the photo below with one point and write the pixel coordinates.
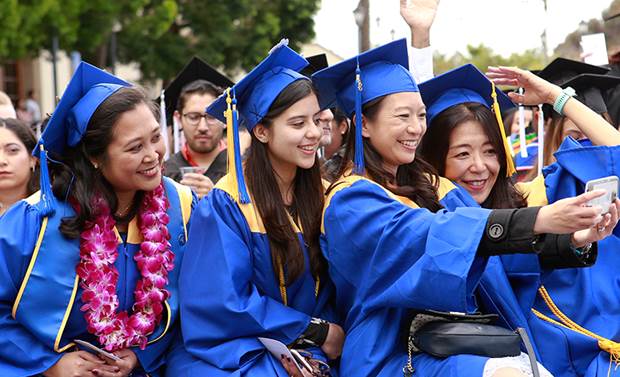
(465, 145)
(265, 276)
(102, 242)
(392, 248)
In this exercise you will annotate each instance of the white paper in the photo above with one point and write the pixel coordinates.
(277, 349)
(594, 49)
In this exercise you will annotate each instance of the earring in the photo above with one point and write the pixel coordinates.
(96, 166)
(32, 168)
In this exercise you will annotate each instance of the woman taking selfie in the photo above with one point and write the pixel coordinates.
(391, 248)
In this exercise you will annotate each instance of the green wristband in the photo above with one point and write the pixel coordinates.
(559, 103)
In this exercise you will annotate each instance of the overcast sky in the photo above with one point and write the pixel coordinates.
(507, 26)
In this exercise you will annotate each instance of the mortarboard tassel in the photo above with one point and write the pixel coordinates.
(176, 135)
(235, 167)
(163, 125)
(541, 138)
(46, 203)
(522, 138)
(510, 165)
(358, 167)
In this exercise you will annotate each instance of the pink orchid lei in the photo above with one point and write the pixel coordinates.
(99, 277)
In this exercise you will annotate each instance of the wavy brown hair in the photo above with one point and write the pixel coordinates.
(436, 142)
(308, 195)
(417, 180)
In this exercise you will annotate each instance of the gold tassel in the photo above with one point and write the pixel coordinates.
(230, 140)
(510, 165)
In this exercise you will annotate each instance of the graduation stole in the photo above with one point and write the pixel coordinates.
(282, 280)
(99, 277)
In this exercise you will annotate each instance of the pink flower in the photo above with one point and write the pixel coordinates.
(98, 276)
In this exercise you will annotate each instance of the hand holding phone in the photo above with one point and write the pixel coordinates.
(96, 349)
(610, 186)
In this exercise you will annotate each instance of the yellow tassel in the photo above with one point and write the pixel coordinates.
(228, 114)
(510, 165)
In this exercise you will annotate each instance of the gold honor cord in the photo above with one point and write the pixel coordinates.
(283, 293)
(607, 345)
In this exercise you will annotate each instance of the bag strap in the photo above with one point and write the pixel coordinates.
(530, 350)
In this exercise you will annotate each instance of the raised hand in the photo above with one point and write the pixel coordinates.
(536, 89)
(419, 14)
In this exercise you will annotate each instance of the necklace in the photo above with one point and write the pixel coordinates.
(99, 278)
(124, 212)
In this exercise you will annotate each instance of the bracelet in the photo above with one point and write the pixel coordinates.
(583, 251)
(559, 103)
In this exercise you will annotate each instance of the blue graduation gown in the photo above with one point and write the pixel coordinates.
(509, 283)
(589, 296)
(230, 295)
(386, 257)
(27, 349)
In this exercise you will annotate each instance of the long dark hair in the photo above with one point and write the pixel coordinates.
(436, 142)
(417, 180)
(76, 179)
(307, 196)
(27, 137)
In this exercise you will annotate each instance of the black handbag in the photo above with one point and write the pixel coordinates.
(443, 334)
(443, 339)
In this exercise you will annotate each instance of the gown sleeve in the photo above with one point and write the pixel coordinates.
(21, 354)
(398, 256)
(222, 310)
(421, 63)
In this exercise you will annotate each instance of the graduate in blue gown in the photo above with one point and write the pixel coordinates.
(41, 298)
(464, 143)
(577, 340)
(253, 268)
(390, 246)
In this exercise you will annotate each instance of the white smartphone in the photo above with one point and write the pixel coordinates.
(610, 185)
(96, 349)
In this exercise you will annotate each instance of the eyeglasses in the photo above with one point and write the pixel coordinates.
(193, 119)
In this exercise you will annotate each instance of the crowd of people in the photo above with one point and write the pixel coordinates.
(359, 219)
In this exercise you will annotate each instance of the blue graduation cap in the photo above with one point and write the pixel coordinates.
(523, 164)
(466, 84)
(352, 83)
(88, 88)
(250, 99)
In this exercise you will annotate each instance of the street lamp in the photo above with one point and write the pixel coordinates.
(360, 17)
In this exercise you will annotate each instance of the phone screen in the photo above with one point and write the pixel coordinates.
(610, 186)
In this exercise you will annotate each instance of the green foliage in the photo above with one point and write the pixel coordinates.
(482, 57)
(235, 34)
(159, 35)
